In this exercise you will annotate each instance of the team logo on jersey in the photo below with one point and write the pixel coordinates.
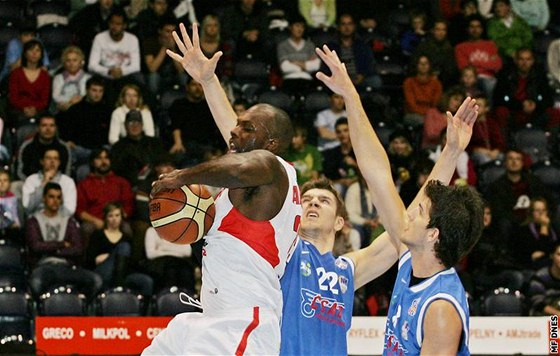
(404, 330)
(343, 283)
(340, 263)
(413, 307)
(315, 305)
(305, 268)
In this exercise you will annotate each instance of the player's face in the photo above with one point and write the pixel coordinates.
(114, 219)
(250, 133)
(53, 200)
(73, 63)
(417, 222)
(319, 212)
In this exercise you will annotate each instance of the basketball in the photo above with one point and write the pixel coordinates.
(182, 216)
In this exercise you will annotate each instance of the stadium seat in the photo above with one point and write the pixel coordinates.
(489, 173)
(323, 36)
(249, 71)
(62, 301)
(15, 313)
(277, 98)
(50, 12)
(549, 174)
(316, 101)
(503, 302)
(534, 142)
(55, 37)
(119, 301)
(168, 302)
(12, 12)
(383, 131)
(12, 270)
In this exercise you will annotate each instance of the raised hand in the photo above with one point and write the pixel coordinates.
(459, 127)
(339, 81)
(193, 60)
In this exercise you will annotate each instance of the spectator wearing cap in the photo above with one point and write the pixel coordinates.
(135, 154)
(297, 59)
(130, 99)
(401, 156)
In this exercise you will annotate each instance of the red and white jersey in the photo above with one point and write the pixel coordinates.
(243, 259)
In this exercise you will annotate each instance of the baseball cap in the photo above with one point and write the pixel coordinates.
(133, 116)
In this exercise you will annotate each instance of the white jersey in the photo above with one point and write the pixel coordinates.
(243, 259)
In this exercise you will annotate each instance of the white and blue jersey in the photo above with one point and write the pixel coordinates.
(318, 294)
(404, 328)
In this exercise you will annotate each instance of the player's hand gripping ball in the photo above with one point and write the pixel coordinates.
(182, 216)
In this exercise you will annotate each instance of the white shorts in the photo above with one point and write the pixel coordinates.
(248, 332)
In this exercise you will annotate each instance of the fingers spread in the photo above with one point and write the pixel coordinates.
(179, 43)
(186, 38)
(195, 40)
(173, 55)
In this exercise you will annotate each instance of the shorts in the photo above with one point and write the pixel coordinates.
(248, 332)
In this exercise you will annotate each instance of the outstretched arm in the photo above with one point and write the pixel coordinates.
(371, 156)
(202, 70)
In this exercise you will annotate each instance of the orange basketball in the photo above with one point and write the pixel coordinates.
(183, 215)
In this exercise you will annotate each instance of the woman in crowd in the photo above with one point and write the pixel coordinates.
(130, 98)
(69, 87)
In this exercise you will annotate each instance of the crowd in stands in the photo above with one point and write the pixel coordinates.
(93, 109)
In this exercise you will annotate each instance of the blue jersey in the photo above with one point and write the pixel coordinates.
(404, 329)
(318, 294)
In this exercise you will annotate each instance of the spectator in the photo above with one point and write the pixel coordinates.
(134, 155)
(56, 248)
(32, 192)
(553, 61)
(99, 188)
(109, 253)
(194, 130)
(468, 81)
(240, 106)
(149, 19)
(85, 125)
(318, 14)
(211, 41)
(130, 98)
(492, 262)
(29, 86)
(459, 22)
(508, 30)
(162, 165)
(245, 25)
(421, 92)
(297, 59)
(510, 195)
(412, 37)
(167, 263)
(361, 212)
(487, 142)
(440, 52)
(32, 150)
(115, 54)
(69, 87)
(339, 163)
(522, 95)
(401, 157)
(14, 50)
(325, 122)
(184, 11)
(163, 72)
(536, 238)
(90, 21)
(306, 158)
(9, 210)
(436, 118)
(480, 53)
(358, 58)
(544, 287)
(464, 172)
(535, 12)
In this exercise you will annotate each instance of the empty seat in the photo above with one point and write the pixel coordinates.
(248, 71)
(62, 301)
(549, 174)
(168, 302)
(12, 12)
(503, 302)
(316, 101)
(277, 98)
(50, 12)
(119, 302)
(12, 271)
(15, 313)
(534, 142)
(489, 173)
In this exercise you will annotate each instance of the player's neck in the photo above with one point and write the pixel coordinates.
(425, 264)
(321, 242)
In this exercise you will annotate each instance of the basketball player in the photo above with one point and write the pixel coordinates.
(318, 289)
(429, 312)
(257, 216)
